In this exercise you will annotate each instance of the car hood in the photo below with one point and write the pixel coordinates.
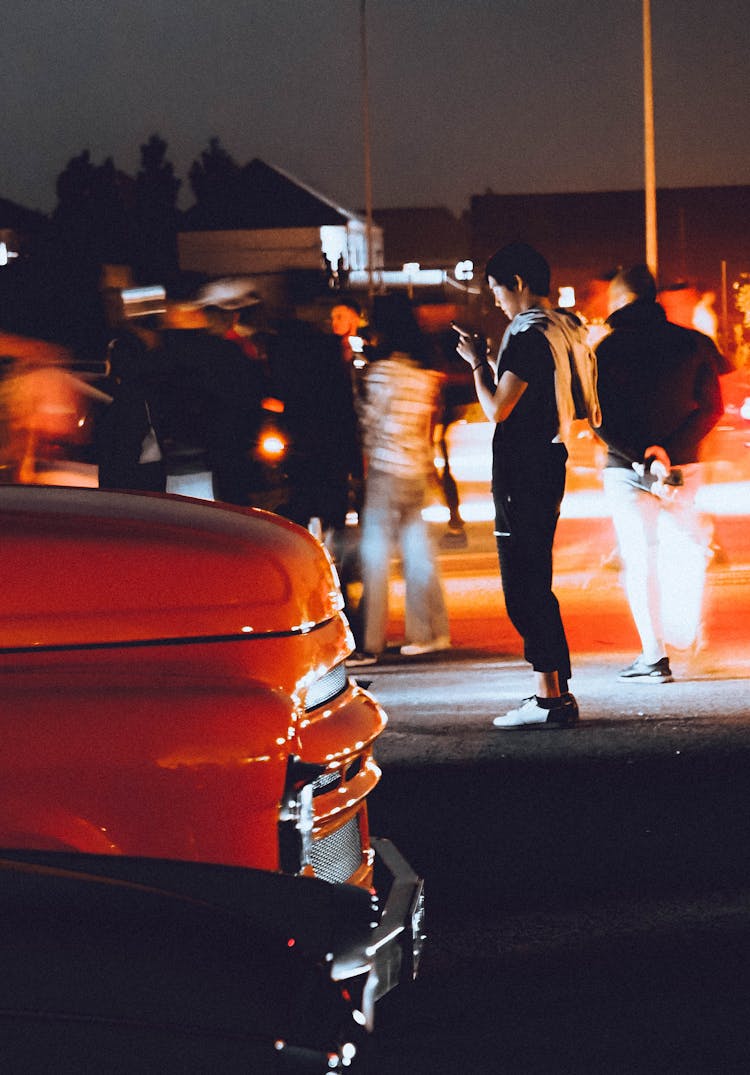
(89, 567)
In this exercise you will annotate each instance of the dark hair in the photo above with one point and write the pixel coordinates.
(350, 302)
(128, 358)
(639, 281)
(522, 260)
(396, 328)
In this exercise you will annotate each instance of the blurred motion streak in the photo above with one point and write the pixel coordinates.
(43, 405)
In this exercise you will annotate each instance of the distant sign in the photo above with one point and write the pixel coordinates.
(6, 254)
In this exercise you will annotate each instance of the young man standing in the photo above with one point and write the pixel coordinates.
(531, 392)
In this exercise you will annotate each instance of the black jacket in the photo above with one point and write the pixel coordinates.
(658, 384)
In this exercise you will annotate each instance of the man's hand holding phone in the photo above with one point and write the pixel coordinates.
(462, 330)
(472, 346)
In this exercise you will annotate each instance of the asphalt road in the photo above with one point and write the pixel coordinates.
(588, 890)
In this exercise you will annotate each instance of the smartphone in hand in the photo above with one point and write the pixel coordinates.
(462, 330)
(478, 341)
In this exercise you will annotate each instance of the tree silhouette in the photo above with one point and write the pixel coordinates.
(93, 211)
(74, 185)
(156, 187)
(156, 217)
(93, 226)
(215, 182)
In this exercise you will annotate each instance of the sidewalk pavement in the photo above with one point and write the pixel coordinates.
(440, 710)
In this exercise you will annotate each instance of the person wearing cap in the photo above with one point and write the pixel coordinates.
(225, 302)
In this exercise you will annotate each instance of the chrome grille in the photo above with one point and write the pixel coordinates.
(326, 781)
(337, 856)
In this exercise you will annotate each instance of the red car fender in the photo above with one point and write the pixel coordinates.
(158, 766)
(49, 828)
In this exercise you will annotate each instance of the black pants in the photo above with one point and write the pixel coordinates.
(136, 477)
(526, 515)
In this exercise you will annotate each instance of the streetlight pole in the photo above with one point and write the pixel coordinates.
(648, 143)
(366, 138)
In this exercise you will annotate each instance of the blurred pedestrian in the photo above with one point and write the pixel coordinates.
(346, 323)
(458, 393)
(660, 396)
(127, 446)
(401, 395)
(42, 404)
(211, 402)
(543, 377)
(233, 313)
(705, 319)
(318, 408)
(324, 448)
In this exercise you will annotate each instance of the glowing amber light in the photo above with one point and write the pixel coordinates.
(272, 445)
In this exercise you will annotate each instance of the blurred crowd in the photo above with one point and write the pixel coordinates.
(211, 386)
(213, 396)
(333, 416)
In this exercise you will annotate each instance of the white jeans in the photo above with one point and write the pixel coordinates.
(393, 510)
(664, 547)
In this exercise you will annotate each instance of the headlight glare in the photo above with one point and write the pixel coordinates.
(330, 684)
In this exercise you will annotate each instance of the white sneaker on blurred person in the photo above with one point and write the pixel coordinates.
(360, 658)
(416, 649)
(640, 671)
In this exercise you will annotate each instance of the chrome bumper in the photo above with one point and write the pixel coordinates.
(390, 954)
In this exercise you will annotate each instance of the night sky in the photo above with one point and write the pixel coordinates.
(465, 95)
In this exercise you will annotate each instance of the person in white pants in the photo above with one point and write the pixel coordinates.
(660, 395)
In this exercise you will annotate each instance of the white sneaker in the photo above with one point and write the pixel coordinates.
(416, 649)
(563, 715)
(360, 658)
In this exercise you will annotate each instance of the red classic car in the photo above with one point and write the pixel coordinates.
(173, 689)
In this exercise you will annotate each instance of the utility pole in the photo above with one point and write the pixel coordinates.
(724, 310)
(366, 139)
(648, 143)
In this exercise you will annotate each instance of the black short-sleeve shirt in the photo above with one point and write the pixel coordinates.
(533, 423)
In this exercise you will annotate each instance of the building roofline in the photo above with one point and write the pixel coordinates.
(350, 214)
